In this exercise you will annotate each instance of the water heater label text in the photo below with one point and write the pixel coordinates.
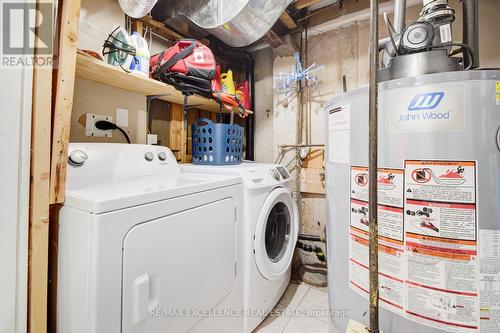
(425, 116)
(429, 108)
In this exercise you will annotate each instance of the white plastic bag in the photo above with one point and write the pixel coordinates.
(137, 8)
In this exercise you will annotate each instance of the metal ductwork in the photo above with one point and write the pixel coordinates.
(235, 22)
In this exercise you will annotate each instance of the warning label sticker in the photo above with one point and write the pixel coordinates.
(339, 131)
(390, 184)
(390, 229)
(430, 268)
(390, 187)
(391, 265)
(489, 280)
(441, 259)
(441, 181)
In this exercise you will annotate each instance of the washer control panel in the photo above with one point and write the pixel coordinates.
(275, 174)
(283, 172)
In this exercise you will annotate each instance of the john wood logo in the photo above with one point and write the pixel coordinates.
(426, 101)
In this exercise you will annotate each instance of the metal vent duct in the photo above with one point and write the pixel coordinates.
(235, 22)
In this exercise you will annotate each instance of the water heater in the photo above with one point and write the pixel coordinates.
(438, 209)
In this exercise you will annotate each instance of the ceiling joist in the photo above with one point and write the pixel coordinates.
(299, 4)
(159, 28)
(274, 39)
(288, 20)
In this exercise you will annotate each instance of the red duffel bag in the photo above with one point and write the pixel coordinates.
(188, 65)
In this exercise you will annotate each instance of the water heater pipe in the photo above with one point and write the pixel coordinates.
(399, 15)
(471, 32)
(372, 165)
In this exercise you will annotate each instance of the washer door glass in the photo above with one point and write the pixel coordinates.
(276, 234)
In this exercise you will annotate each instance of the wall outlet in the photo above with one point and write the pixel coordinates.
(152, 139)
(91, 130)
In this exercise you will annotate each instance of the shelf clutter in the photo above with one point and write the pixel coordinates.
(89, 68)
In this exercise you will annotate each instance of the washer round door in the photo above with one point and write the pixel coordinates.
(276, 234)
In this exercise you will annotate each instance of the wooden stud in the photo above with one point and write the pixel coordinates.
(178, 134)
(159, 28)
(63, 104)
(288, 20)
(299, 4)
(210, 115)
(137, 26)
(176, 119)
(39, 197)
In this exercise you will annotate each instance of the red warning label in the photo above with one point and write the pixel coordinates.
(440, 224)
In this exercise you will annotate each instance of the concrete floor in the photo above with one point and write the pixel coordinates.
(301, 309)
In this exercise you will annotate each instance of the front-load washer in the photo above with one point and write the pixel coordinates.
(144, 247)
(270, 231)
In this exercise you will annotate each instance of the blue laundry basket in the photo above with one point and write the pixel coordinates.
(216, 144)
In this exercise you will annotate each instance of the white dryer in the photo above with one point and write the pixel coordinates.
(144, 247)
(270, 233)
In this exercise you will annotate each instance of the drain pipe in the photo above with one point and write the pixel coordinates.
(373, 164)
(312, 238)
(471, 32)
(312, 248)
(250, 120)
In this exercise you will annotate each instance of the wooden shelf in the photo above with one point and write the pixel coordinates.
(92, 69)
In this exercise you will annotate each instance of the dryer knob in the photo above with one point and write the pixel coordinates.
(149, 156)
(77, 158)
(162, 156)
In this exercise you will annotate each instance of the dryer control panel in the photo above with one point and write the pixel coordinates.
(88, 162)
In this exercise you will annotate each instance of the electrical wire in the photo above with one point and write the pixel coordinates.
(461, 50)
(105, 125)
(124, 134)
(391, 31)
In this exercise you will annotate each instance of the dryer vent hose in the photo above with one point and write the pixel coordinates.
(312, 248)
